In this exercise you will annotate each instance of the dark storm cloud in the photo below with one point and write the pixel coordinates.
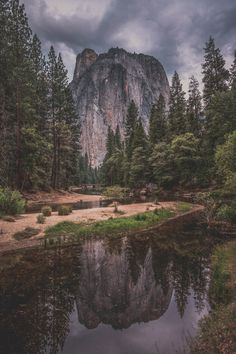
(172, 30)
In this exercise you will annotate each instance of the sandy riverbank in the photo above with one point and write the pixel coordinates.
(8, 229)
(57, 198)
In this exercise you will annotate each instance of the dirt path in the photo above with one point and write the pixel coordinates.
(8, 229)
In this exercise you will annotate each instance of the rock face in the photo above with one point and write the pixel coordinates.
(103, 87)
(117, 289)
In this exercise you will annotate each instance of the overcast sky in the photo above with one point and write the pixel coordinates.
(174, 31)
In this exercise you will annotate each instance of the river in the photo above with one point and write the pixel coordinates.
(140, 294)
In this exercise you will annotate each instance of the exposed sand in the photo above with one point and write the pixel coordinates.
(59, 197)
(8, 229)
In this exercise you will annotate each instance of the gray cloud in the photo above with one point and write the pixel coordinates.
(174, 31)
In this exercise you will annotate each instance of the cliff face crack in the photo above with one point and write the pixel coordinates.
(103, 87)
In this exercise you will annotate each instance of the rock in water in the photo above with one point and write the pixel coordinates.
(103, 87)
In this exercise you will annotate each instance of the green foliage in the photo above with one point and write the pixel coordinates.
(219, 293)
(186, 155)
(39, 127)
(194, 108)
(138, 168)
(130, 124)
(11, 202)
(64, 210)
(115, 192)
(217, 330)
(225, 158)
(157, 122)
(176, 162)
(215, 75)
(211, 204)
(41, 219)
(111, 226)
(46, 211)
(227, 213)
(177, 108)
(184, 207)
(162, 165)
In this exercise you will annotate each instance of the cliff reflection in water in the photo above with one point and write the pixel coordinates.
(117, 282)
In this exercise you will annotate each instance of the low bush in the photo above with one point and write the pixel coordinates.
(64, 210)
(227, 213)
(115, 192)
(141, 217)
(26, 233)
(41, 219)
(8, 218)
(11, 202)
(46, 211)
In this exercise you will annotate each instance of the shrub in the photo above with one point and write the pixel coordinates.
(64, 210)
(11, 202)
(115, 192)
(227, 213)
(140, 217)
(41, 219)
(156, 211)
(46, 211)
(26, 233)
(8, 218)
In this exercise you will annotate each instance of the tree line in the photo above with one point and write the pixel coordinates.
(39, 127)
(184, 134)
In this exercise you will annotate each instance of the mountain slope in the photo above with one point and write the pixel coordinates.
(103, 87)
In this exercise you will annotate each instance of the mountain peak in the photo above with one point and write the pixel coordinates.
(103, 87)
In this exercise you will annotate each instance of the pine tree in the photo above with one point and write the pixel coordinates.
(117, 138)
(4, 121)
(64, 123)
(215, 75)
(20, 84)
(138, 167)
(194, 107)
(130, 124)
(177, 108)
(157, 123)
(233, 73)
(139, 136)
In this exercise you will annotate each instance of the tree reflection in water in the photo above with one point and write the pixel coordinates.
(115, 281)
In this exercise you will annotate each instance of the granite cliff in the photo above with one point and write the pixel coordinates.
(103, 87)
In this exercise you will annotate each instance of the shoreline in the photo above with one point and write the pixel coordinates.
(8, 243)
(216, 332)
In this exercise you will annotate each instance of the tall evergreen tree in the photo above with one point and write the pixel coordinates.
(64, 123)
(20, 83)
(233, 73)
(4, 121)
(177, 108)
(215, 75)
(194, 107)
(157, 123)
(130, 124)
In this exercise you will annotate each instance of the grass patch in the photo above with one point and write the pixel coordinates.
(217, 332)
(111, 226)
(26, 233)
(184, 207)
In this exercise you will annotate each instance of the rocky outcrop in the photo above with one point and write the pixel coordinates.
(103, 87)
(117, 289)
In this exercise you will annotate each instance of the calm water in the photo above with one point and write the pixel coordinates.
(138, 295)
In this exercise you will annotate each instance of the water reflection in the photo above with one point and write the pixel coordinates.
(77, 299)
